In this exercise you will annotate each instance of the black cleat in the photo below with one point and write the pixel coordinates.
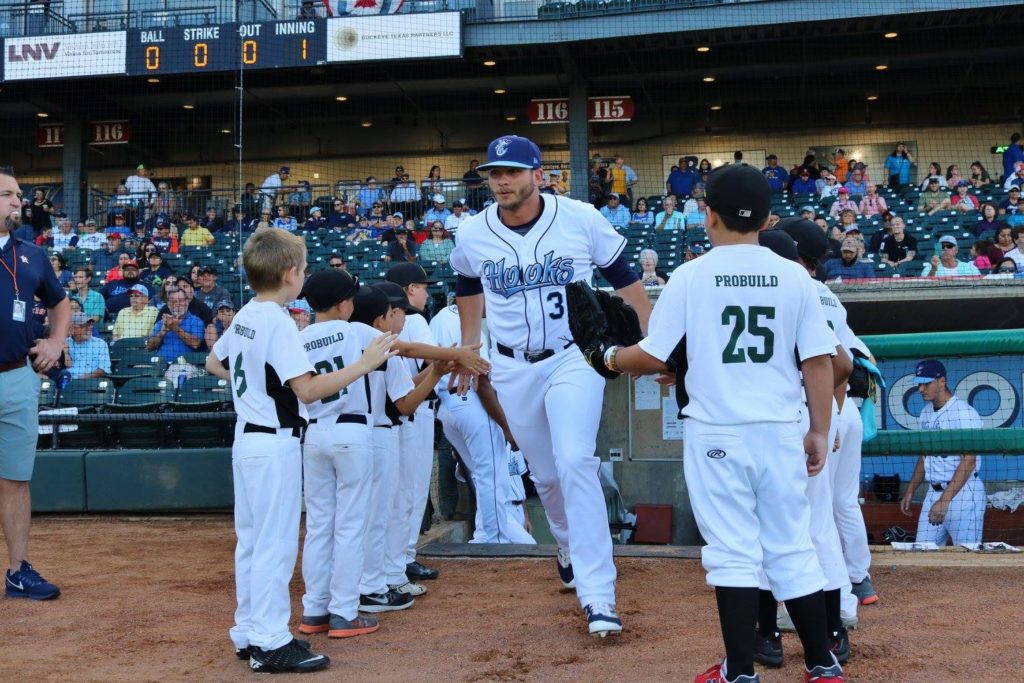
(417, 572)
(391, 601)
(769, 650)
(293, 657)
(840, 645)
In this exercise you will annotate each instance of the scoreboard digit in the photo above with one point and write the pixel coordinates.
(264, 45)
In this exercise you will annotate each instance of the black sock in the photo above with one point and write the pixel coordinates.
(832, 615)
(737, 612)
(808, 614)
(767, 611)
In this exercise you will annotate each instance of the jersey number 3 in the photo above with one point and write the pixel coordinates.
(748, 320)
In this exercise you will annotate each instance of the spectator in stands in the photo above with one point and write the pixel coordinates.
(898, 247)
(475, 190)
(432, 185)
(843, 203)
(64, 238)
(947, 264)
(934, 171)
(177, 332)
(828, 185)
(90, 300)
(236, 223)
(116, 292)
(692, 252)
(316, 220)
(376, 215)
(807, 212)
(623, 178)
(117, 272)
(437, 211)
(703, 168)
(214, 331)
(92, 239)
(458, 215)
(301, 313)
(211, 221)
(690, 205)
(438, 247)
(299, 200)
(1013, 155)
(1017, 253)
(109, 256)
(195, 235)
(833, 244)
(60, 269)
(194, 305)
(642, 214)
(37, 212)
(680, 182)
(953, 176)
(402, 249)
(614, 212)
(856, 184)
(141, 190)
(1016, 179)
(85, 356)
(119, 226)
(650, 276)
(284, 220)
(265, 220)
(1012, 207)
(984, 254)
(164, 240)
(848, 266)
(405, 196)
(418, 232)
(932, 198)
(250, 202)
(386, 233)
(156, 269)
(668, 218)
(979, 177)
(336, 262)
(340, 217)
(1007, 265)
(160, 300)
(138, 319)
(803, 184)
(872, 204)
(273, 187)
(775, 174)
(209, 292)
(362, 232)
(695, 219)
(897, 167)
(1004, 239)
(988, 220)
(397, 178)
(961, 201)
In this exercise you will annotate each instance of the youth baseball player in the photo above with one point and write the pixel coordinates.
(337, 465)
(481, 442)
(954, 506)
(730, 322)
(517, 256)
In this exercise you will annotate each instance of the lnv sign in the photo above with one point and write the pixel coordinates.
(36, 52)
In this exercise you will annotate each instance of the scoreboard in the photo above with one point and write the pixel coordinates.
(264, 45)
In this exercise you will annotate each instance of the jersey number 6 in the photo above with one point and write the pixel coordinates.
(736, 316)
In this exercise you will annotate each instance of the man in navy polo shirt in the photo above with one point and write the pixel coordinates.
(680, 182)
(25, 273)
(775, 174)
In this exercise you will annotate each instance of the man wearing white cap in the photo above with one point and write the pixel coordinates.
(438, 212)
(947, 265)
(138, 319)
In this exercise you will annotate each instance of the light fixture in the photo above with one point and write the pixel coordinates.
(500, 91)
(703, 48)
(42, 114)
(366, 124)
(510, 117)
(709, 79)
(188, 106)
(152, 79)
(881, 67)
(226, 131)
(716, 107)
(341, 98)
(872, 98)
(890, 35)
(489, 62)
(316, 176)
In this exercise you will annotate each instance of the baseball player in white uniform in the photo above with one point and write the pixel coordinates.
(337, 465)
(517, 256)
(728, 324)
(262, 356)
(480, 441)
(954, 506)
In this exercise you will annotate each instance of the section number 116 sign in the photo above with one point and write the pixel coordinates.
(599, 110)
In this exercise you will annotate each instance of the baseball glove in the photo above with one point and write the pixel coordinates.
(599, 320)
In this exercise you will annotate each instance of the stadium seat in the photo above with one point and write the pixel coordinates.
(47, 393)
(121, 346)
(137, 363)
(89, 397)
(140, 395)
(204, 394)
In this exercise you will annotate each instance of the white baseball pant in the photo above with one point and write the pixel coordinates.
(965, 516)
(267, 471)
(382, 503)
(845, 471)
(337, 467)
(417, 437)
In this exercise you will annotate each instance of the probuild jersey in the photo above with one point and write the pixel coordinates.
(262, 350)
(955, 414)
(746, 314)
(331, 346)
(835, 316)
(386, 387)
(524, 276)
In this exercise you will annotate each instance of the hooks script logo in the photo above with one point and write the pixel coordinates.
(501, 149)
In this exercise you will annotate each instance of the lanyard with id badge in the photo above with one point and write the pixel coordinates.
(18, 310)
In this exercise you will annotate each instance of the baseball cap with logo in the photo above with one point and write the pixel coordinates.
(929, 371)
(299, 306)
(739, 193)
(226, 303)
(316, 209)
(138, 289)
(843, 190)
(512, 151)
(327, 288)
(80, 319)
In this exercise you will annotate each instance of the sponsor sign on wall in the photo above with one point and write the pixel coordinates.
(384, 38)
(63, 56)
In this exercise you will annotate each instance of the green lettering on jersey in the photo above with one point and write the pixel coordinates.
(323, 368)
(737, 317)
(240, 383)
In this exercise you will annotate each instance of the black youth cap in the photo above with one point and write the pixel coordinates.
(369, 303)
(327, 288)
(739, 192)
(811, 242)
(405, 274)
(779, 242)
(396, 296)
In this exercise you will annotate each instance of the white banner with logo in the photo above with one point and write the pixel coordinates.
(383, 38)
(63, 56)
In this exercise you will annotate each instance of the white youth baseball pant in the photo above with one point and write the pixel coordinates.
(382, 504)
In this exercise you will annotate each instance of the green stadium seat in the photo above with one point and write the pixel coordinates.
(204, 394)
(140, 395)
(47, 393)
(89, 397)
(137, 363)
(121, 346)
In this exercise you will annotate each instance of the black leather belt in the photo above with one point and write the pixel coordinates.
(942, 487)
(529, 357)
(383, 426)
(352, 419)
(250, 428)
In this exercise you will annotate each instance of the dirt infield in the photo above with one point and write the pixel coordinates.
(151, 600)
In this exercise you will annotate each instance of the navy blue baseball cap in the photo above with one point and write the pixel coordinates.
(779, 242)
(512, 151)
(929, 371)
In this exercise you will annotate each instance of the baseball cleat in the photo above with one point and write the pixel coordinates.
(602, 620)
(317, 624)
(565, 569)
(410, 588)
(27, 583)
(416, 571)
(840, 645)
(768, 650)
(850, 623)
(341, 627)
(385, 602)
(821, 674)
(292, 657)
(715, 675)
(865, 591)
(244, 653)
